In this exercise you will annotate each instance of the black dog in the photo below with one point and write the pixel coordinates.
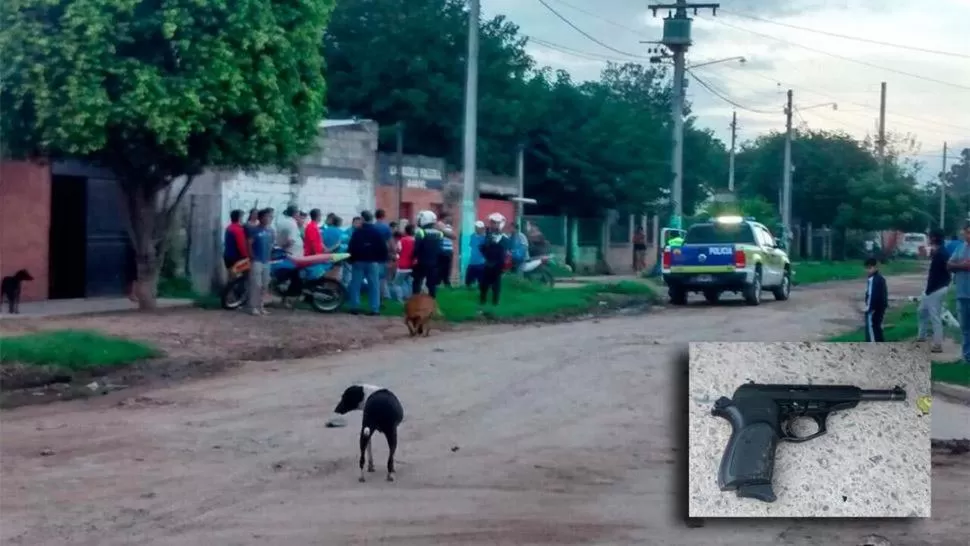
(382, 413)
(10, 288)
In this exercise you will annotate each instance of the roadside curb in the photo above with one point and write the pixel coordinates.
(952, 391)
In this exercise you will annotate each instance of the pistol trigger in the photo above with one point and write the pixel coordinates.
(789, 434)
(820, 420)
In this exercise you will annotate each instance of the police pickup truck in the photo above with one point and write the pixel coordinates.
(727, 254)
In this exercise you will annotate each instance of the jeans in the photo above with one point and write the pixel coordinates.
(401, 287)
(963, 315)
(258, 282)
(931, 315)
(345, 274)
(371, 272)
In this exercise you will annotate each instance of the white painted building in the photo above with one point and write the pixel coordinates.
(339, 177)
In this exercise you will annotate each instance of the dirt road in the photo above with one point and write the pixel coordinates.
(566, 434)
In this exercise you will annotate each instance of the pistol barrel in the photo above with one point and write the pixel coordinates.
(896, 393)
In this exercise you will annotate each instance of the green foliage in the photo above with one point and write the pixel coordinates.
(957, 373)
(816, 272)
(758, 208)
(590, 146)
(73, 350)
(156, 91)
(837, 182)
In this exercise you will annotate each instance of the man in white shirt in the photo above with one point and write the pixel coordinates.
(289, 236)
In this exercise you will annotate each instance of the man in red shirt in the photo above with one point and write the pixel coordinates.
(401, 286)
(312, 236)
(234, 243)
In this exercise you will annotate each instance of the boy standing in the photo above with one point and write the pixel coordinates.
(877, 301)
(260, 245)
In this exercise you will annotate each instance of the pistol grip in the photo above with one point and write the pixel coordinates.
(749, 458)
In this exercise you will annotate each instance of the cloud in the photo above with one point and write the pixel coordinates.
(932, 111)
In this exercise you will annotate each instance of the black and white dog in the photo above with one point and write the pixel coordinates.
(382, 413)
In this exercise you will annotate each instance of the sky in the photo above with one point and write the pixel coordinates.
(778, 58)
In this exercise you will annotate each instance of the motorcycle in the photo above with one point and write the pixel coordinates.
(314, 278)
(535, 270)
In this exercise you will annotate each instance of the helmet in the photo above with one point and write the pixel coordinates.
(426, 218)
(498, 219)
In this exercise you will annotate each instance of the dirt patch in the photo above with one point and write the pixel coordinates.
(197, 343)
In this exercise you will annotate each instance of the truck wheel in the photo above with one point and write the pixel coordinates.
(783, 291)
(712, 296)
(677, 296)
(752, 292)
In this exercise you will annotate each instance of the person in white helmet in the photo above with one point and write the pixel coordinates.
(427, 254)
(495, 250)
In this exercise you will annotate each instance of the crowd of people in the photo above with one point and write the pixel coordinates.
(387, 260)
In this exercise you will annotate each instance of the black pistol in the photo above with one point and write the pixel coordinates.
(761, 415)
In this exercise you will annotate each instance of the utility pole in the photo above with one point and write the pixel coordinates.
(520, 176)
(943, 190)
(399, 130)
(882, 130)
(469, 166)
(677, 39)
(734, 136)
(786, 174)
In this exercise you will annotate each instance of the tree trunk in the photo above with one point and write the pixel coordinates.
(149, 221)
(143, 216)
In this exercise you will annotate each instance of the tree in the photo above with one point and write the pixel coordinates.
(824, 164)
(404, 61)
(158, 92)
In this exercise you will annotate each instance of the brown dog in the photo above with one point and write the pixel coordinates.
(418, 312)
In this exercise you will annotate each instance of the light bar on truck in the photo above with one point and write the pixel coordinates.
(729, 219)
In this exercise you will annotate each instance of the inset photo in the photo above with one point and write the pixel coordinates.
(809, 430)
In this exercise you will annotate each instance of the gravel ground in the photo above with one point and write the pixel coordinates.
(528, 435)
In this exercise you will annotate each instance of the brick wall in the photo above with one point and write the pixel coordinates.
(419, 199)
(25, 209)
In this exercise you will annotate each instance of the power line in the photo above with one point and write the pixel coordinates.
(586, 34)
(845, 37)
(576, 52)
(601, 18)
(723, 97)
(926, 121)
(842, 57)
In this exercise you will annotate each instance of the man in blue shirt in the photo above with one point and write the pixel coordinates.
(959, 265)
(476, 261)
(260, 239)
(937, 283)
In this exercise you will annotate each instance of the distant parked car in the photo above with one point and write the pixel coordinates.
(913, 245)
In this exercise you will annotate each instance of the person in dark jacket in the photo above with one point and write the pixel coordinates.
(877, 301)
(368, 254)
(937, 284)
(426, 270)
(494, 250)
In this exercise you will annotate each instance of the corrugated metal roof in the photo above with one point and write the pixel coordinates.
(328, 123)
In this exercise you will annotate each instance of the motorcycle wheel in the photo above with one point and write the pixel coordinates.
(327, 296)
(234, 294)
(542, 276)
